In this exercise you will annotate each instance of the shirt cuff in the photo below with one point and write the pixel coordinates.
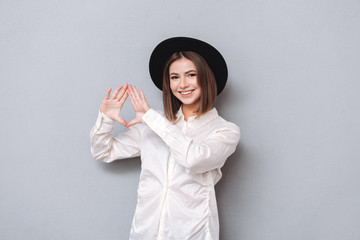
(148, 115)
(104, 123)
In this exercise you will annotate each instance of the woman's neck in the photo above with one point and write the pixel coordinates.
(189, 110)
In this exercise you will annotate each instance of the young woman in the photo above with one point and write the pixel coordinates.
(182, 151)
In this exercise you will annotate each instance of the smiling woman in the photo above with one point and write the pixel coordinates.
(182, 152)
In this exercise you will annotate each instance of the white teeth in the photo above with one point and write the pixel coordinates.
(186, 92)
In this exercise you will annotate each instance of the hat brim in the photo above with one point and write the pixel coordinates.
(168, 47)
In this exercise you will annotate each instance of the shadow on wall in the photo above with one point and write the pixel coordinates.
(227, 196)
(122, 167)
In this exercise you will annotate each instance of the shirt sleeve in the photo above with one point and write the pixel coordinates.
(197, 157)
(106, 148)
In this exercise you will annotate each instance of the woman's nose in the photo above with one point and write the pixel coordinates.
(183, 82)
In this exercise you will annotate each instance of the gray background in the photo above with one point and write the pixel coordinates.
(293, 82)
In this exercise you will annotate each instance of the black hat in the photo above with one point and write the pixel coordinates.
(168, 47)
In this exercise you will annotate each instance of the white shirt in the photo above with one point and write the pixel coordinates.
(180, 165)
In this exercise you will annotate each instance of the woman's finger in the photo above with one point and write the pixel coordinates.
(122, 121)
(113, 96)
(132, 100)
(122, 92)
(132, 122)
(137, 97)
(129, 89)
(123, 98)
(144, 101)
(132, 95)
(136, 93)
(107, 95)
(143, 95)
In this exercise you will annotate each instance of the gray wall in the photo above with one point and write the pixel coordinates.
(293, 90)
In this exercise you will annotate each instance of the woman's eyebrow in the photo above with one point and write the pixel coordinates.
(190, 71)
(185, 72)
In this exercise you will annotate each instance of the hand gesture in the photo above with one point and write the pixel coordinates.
(111, 106)
(139, 104)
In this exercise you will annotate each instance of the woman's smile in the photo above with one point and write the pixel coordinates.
(186, 93)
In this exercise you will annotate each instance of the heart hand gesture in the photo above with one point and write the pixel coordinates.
(111, 106)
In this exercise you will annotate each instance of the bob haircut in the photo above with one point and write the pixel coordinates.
(206, 80)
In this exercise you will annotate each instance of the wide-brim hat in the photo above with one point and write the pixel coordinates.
(168, 47)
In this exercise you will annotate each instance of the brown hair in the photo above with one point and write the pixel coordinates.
(206, 80)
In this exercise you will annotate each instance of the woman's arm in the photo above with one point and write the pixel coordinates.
(103, 146)
(195, 156)
(106, 148)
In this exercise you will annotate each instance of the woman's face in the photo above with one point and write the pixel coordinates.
(183, 82)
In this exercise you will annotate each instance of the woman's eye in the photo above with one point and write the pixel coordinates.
(174, 77)
(192, 75)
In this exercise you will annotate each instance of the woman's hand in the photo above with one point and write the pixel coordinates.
(139, 104)
(111, 106)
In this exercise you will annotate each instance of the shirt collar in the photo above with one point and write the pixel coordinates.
(202, 120)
